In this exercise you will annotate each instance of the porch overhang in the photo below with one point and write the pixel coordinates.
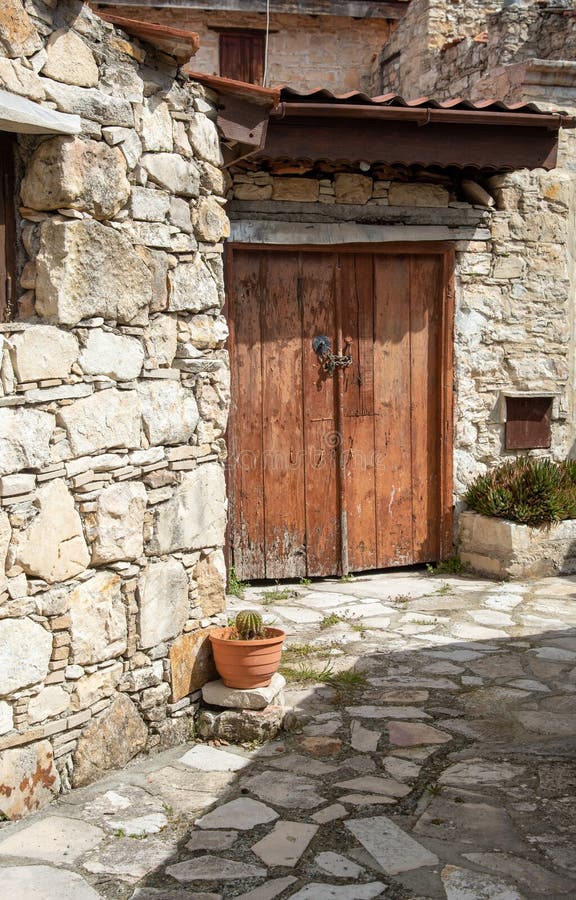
(355, 128)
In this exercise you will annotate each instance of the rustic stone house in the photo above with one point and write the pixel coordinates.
(430, 245)
(346, 222)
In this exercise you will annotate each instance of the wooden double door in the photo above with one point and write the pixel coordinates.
(339, 455)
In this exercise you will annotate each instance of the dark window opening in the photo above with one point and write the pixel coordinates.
(528, 423)
(242, 56)
(7, 228)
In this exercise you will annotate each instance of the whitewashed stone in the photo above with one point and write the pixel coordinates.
(192, 287)
(212, 223)
(285, 844)
(53, 546)
(104, 420)
(98, 619)
(203, 136)
(462, 884)
(91, 688)
(29, 780)
(6, 717)
(212, 759)
(75, 173)
(119, 523)
(169, 412)
(155, 125)
(149, 205)
(24, 439)
(195, 516)
(212, 868)
(90, 103)
(51, 701)
(161, 339)
(45, 883)
(43, 352)
(217, 694)
(243, 812)
(86, 269)
(70, 60)
(393, 849)
(163, 602)
(115, 355)
(172, 172)
(207, 332)
(54, 839)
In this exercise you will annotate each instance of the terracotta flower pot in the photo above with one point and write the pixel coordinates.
(247, 664)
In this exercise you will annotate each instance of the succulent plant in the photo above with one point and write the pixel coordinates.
(249, 625)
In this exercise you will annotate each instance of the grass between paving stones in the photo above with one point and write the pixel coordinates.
(277, 595)
(235, 587)
(451, 566)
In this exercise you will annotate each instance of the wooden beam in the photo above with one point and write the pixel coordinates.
(357, 9)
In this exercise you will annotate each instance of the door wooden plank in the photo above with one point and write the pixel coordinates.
(282, 425)
(425, 308)
(317, 289)
(358, 402)
(246, 460)
(392, 444)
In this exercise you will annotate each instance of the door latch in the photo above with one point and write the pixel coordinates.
(322, 347)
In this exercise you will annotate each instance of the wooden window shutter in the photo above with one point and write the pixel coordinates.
(242, 56)
(7, 227)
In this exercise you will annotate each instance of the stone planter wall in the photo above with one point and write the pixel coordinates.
(114, 391)
(505, 549)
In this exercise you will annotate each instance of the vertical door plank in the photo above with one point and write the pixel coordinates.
(426, 294)
(358, 402)
(246, 462)
(282, 426)
(393, 416)
(321, 452)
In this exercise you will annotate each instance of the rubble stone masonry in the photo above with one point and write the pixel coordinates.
(114, 391)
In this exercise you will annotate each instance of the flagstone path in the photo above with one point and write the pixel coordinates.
(447, 771)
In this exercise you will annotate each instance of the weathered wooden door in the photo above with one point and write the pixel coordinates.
(343, 470)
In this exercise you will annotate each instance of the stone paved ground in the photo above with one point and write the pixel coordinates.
(448, 773)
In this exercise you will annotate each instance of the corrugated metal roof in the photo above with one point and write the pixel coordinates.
(323, 95)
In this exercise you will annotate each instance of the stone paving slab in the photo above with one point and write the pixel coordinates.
(441, 766)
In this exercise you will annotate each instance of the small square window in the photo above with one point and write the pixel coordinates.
(528, 423)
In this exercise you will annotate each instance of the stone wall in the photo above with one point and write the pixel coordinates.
(513, 267)
(305, 52)
(114, 389)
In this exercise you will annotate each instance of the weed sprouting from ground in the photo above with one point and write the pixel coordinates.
(235, 587)
(330, 620)
(304, 673)
(451, 566)
(278, 595)
(444, 589)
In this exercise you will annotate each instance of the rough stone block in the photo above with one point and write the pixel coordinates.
(105, 419)
(301, 190)
(253, 191)
(73, 173)
(204, 139)
(172, 172)
(192, 287)
(29, 779)
(210, 576)
(216, 693)
(89, 689)
(163, 602)
(51, 701)
(195, 517)
(6, 717)
(191, 663)
(53, 546)
(86, 269)
(25, 650)
(154, 124)
(115, 355)
(207, 332)
(169, 412)
(109, 742)
(98, 616)
(43, 352)
(149, 205)
(351, 188)
(212, 223)
(24, 439)
(119, 523)
(417, 195)
(242, 725)
(18, 36)
(90, 103)
(161, 339)
(70, 60)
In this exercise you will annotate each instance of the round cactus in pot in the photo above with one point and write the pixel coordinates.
(247, 653)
